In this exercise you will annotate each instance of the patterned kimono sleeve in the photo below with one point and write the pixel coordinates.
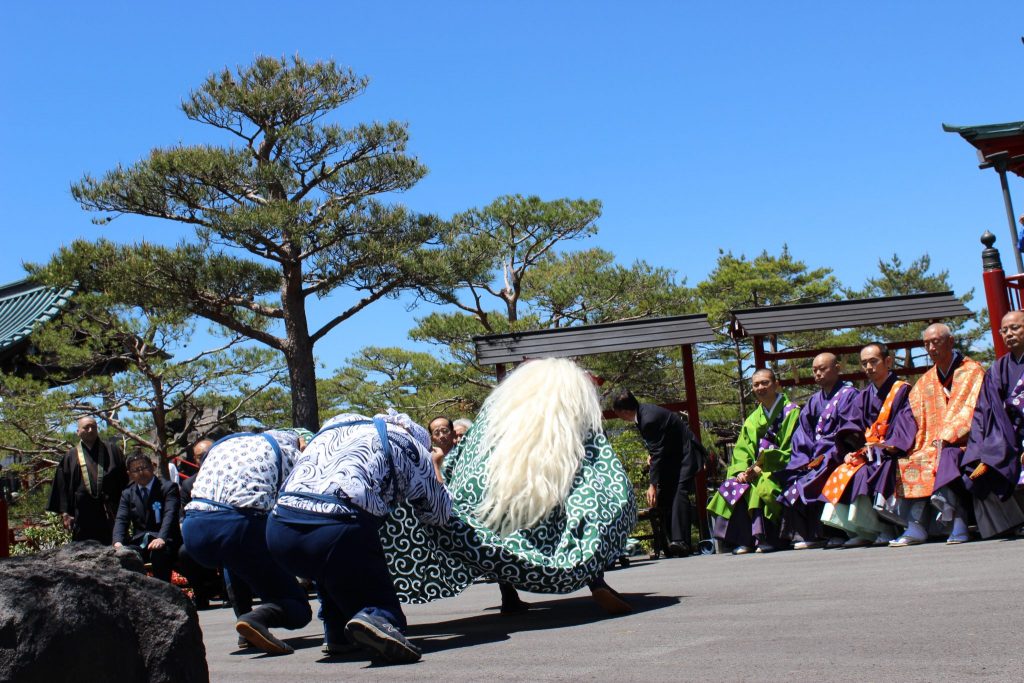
(427, 496)
(289, 456)
(746, 445)
(775, 459)
(964, 397)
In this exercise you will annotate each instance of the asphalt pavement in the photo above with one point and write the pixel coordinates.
(924, 613)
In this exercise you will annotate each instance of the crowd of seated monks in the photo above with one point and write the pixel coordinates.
(890, 464)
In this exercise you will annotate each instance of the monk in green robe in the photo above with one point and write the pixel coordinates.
(747, 508)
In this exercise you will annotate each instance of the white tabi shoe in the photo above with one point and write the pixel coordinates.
(858, 542)
(904, 541)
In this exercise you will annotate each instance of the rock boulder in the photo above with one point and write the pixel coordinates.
(86, 612)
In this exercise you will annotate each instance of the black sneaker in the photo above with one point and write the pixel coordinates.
(381, 637)
(259, 636)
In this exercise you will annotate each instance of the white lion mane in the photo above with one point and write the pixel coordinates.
(537, 421)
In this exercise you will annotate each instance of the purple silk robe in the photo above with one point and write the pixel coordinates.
(880, 477)
(830, 427)
(996, 437)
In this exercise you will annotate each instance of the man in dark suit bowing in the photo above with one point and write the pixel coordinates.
(676, 458)
(151, 505)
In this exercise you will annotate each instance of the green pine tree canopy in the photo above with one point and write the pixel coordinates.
(292, 207)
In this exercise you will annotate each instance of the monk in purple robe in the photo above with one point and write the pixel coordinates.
(991, 464)
(829, 428)
(857, 501)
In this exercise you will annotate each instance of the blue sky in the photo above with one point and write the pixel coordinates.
(700, 126)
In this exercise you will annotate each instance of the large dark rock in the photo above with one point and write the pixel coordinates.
(86, 612)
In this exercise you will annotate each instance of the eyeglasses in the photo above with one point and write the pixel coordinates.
(441, 431)
(137, 470)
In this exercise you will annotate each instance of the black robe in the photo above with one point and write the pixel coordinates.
(94, 514)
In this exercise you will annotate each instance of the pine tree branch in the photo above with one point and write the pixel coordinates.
(363, 303)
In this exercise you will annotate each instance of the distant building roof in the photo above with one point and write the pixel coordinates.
(645, 333)
(835, 315)
(993, 138)
(25, 305)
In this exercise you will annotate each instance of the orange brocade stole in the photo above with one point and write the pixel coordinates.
(874, 435)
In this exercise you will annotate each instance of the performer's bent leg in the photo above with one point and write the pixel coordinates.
(511, 603)
(239, 593)
(607, 597)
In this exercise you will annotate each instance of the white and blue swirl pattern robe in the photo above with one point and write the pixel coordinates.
(347, 462)
(561, 554)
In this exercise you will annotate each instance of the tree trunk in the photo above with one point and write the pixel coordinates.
(302, 377)
(160, 427)
(298, 352)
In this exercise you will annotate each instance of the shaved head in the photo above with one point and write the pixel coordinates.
(1012, 331)
(200, 449)
(937, 329)
(765, 386)
(1014, 317)
(825, 368)
(88, 432)
(938, 342)
(825, 358)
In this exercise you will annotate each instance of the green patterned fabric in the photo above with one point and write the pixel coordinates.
(559, 555)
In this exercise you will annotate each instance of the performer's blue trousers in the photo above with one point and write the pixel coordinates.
(237, 541)
(345, 558)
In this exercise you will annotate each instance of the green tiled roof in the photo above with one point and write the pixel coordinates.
(991, 130)
(24, 306)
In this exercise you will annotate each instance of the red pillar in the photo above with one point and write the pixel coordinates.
(759, 353)
(693, 413)
(996, 295)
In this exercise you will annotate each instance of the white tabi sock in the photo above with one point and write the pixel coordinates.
(916, 531)
(959, 527)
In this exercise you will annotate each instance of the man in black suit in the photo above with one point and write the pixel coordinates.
(676, 458)
(151, 505)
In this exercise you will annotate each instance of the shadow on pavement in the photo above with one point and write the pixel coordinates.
(492, 627)
(297, 643)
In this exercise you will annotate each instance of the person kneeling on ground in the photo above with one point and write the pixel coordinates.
(226, 527)
(326, 522)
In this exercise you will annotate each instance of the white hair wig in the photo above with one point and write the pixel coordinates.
(537, 422)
